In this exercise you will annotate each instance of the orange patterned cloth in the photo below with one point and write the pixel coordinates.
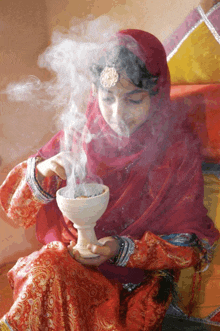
(54, 292)
(17, 198)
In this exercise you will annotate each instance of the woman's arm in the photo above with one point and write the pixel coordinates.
(154, 253)
(21, 196)
(150, 253)
(17, 199)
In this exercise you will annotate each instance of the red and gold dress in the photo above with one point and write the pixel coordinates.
(52, 291)
(156, 199)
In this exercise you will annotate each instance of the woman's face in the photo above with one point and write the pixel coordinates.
(124, 106)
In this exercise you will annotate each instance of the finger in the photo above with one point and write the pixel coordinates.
(58, 170)
(96, 261)
(71, 244)
(70, 250)
(74, 254)
(102, 250)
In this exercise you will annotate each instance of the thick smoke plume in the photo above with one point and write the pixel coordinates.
(68, 58)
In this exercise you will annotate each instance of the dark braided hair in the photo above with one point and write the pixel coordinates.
(123, 60)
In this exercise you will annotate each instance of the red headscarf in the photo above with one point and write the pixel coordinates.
(155, 179)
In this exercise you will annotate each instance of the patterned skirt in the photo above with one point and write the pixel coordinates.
(52, 291)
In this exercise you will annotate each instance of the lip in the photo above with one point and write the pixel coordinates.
(126, 128)
(124, 123)
(132, 123)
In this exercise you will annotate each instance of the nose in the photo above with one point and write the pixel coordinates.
(118, 109)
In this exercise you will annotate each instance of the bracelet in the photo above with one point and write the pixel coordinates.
(38, 192)
(121, 243)
(127, 247)
(130, 247)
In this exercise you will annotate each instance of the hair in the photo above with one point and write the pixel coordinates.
(123, 60)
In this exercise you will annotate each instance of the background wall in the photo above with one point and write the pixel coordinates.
(25, 30)
(156, 16)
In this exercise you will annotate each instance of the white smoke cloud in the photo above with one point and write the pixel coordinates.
(68, 58)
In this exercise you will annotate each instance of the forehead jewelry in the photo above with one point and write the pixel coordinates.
(109, 77)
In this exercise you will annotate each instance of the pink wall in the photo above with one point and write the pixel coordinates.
(26, 27)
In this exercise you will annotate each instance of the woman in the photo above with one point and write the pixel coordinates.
(154, 226)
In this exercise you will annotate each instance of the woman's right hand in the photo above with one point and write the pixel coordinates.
(54, 166)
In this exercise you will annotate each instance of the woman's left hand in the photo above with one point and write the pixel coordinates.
(108, 249)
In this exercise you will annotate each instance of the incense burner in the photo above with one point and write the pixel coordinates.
(84, 213)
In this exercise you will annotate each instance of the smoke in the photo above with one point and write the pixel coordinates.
(69, 58)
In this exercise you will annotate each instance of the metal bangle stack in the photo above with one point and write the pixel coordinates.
(38, 192)
(127, 247)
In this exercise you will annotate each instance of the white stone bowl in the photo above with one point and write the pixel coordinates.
(84, 213)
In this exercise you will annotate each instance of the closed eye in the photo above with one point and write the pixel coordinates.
(108, 100)
(136, 102)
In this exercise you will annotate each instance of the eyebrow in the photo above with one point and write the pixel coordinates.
(136, 91)
(129, 93)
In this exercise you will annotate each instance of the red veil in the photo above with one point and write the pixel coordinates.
(154, 177)
(155, 180)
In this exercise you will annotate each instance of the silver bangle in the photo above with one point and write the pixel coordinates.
(124, 252)
(38, 192)
(131, 286)
(129, 247)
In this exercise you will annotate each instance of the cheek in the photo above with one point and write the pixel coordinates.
(105, 111)
(141, 114)
(145, 114)
(145, 110)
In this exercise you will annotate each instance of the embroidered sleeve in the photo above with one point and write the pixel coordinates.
(21, 198)
(46, 191)
(155, 253)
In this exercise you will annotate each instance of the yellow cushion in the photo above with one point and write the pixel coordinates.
(208, 298)
(197, 59)
(212, 198)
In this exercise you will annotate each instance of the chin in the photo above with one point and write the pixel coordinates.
(121, 132)
(136, 127)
